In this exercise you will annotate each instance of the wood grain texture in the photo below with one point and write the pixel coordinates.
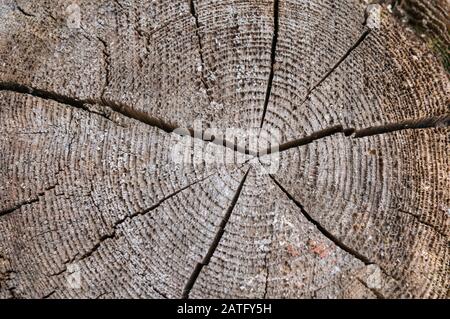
(95, 202)
(430, 20)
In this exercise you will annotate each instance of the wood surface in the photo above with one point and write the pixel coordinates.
(92, 96)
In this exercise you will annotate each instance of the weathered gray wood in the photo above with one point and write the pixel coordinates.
(91, 189)
(74, 177)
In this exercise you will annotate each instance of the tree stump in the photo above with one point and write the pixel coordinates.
(94, 203)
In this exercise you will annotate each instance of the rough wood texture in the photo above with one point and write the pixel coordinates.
(93, 205)
(430, 20)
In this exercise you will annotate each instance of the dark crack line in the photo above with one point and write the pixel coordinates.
(438, 121)
(101, 295)
(342, 59)
(118, 4)
(126, 111)
(26, 202)
(160, 292)
(94, 248)
(91, 196)
(421, 123)
(115, 226)
(194, 14)
(112, 234)
(18, 7)
(52, 96)
(365, 260)
(421, 221)
(303, 141)
(61, 271)
(266, 280)
(18, 206)
(378, 294)
(199, 266)
(335, 66)
(272, 60)
(322, 229)
(324, 77)
(49, 294)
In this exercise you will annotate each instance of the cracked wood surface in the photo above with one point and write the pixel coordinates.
(91, 115)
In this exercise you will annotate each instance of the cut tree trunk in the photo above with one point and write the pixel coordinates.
(94, 203)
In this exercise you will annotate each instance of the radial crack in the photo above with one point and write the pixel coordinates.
(129, 112)
(126, 111)
(438, 121)
(193, 12)
(18, 206)
(160, 293)
(48, 95)
(322, 229)
(272, 59)
(342, 59)
(118, 4)
(112, 234)
(48, 295)
(26, 202)
(421, 123)
(365, 260)
(303, 141)
(18, 7)
(378, 294)
(206, 259)
(336, 65)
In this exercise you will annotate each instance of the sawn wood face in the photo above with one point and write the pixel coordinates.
(96, 203)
